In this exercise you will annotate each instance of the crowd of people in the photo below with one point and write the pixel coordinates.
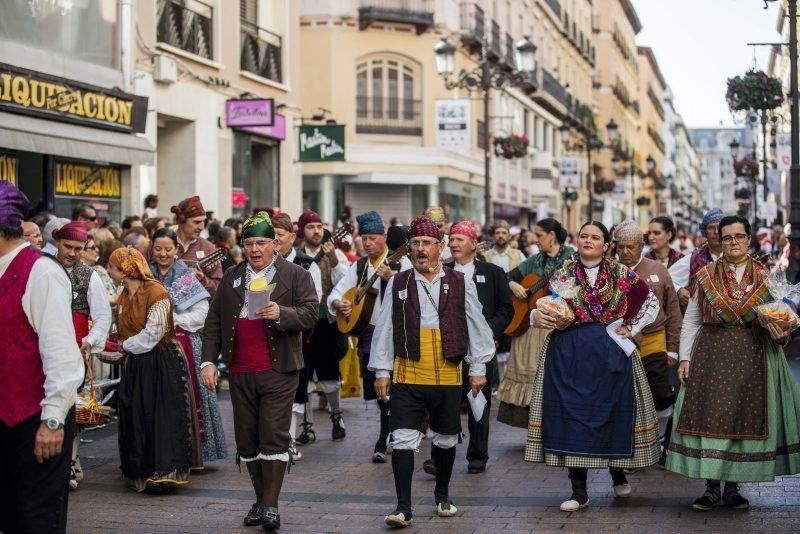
(616, 349)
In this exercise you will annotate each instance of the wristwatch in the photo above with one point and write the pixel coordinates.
(53, 424)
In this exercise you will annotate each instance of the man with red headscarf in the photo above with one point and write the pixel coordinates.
(430, 321)
(192, 248)
(89, 304)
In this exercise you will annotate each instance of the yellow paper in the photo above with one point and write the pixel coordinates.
(259, 284)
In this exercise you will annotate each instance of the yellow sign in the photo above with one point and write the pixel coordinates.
(77, 180)
(31, 92)
(8, 168)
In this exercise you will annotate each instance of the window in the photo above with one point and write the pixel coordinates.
(388, 96)
(186, 24)
(261, 49)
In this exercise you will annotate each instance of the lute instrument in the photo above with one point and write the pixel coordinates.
(340, 232)
(210, 261)
(535, 287)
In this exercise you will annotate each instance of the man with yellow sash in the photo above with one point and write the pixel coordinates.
(659, 341)
(432, 321)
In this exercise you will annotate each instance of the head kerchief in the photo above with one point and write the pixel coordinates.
(13, 204)
(370, 223)
(628, 232)
(465, 228)
(188, 208)
(423, 226)
(131, 262)
(714, 215)
(74, 231)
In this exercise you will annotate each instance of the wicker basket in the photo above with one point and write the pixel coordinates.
(109, 357)
(90, 413)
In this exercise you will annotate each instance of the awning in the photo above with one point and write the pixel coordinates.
(30, 134)
(391, 178)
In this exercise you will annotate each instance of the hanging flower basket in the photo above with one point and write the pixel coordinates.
(742, 194)
(746, 166)
(603, 186)
(754, 90)
(642, 201)
(515, 146)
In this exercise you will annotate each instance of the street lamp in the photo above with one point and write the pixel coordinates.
(734, 146)
(651, 164)
(485, 77)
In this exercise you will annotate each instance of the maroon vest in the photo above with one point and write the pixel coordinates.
(21, 371)
(699, 259)
(452, 315)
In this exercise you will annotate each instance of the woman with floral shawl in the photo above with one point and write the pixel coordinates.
(736, 419)
(190, 303)
(155, 426)
(591, 406)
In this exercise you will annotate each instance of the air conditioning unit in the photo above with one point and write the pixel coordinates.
(166, 69)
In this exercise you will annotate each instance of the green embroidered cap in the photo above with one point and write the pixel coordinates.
(259, 225)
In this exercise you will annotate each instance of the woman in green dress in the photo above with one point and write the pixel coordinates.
(515, 389)
(736, 419)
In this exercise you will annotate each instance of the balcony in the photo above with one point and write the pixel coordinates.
(187, 29)
(497, 41)
(511, 52)
(555, 5)
(389, 116)
(261, 52)
(551, 86)
(473, 22)
(418, 13)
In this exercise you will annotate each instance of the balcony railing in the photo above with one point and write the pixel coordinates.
(416, 12)
(555, 5)
(554, 88)
(473, 20)
(188, 27)
(261, 52)
(393, 116)
(511, 52)
(497, 43)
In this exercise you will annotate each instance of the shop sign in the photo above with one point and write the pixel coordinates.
(8, 167)
(78, 180)
(52, 97)
(239, 198)
(250, 112)
(570, 172)
(452, 124)
(322, 143)
(783, 151)
(276, 131)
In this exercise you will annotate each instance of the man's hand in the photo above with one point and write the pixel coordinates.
(208, 377)
(518, 291)
(86, 351)
(683, 371)
(344, 306)
(47, 443)
(780, 333)
(272, 312)
(382, 388)
(330, 251)
(385, 272)
(684, 296)
(200, 274)
(476, 384)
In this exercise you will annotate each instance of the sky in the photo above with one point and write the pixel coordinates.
(699, 44)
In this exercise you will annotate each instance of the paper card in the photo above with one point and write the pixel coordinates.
(625, 344)
(480, 279)
(654, 278)
(477, 404)
(237, 282)
(403, 294)
(200, 254)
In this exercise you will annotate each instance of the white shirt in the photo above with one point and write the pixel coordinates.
(151, 213)
(99, 312)
(349, 281)
(193, 318)
(681, 270)
(503, 259)
(47, 303)
(338, 272)
(693, 320)
(468, 269)
(154, 329)
(481, 347)
(313, 270)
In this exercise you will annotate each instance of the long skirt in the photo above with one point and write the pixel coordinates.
(591, 405)
(155, 443)
(514, 392)
(741, 460)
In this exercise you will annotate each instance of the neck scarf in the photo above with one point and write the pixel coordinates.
(733, 302)
(181, 283)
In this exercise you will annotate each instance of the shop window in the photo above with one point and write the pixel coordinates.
(388, 96)
(256, 173)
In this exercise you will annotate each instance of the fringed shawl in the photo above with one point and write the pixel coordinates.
(181, 283)
(717, 306)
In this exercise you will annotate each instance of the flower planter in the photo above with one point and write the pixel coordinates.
(515, 146)
(643, 201)
(754, 90)
(747, 167)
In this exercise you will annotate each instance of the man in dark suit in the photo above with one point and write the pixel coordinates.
(495, 297)
(264, 356)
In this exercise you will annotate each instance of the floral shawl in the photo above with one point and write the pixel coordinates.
(674, 256)
(181, 283)
(719, 304)
(618, 292)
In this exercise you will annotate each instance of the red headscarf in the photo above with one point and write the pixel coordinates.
(74, 231)
(465, 228)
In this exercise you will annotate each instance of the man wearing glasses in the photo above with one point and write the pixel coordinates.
(85, 213)
(264, 356)
(430, 321)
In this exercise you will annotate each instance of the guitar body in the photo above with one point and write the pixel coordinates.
(522, 307)
(361, 313)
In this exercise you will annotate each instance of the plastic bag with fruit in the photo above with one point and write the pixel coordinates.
(782, 310)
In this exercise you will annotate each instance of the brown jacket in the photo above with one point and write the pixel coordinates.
(669, 315)
(295, 294)
(198, 249)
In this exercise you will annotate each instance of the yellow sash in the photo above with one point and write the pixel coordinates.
(653, 343)
(431, 369)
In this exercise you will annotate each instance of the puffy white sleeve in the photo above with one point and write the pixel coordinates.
(692, 322)
(316, 277)
(340, 271)
(481, 339)
(99, 311)
(194, 318)
(381, 353)
(349, 280)
(647, 314)
(154, 330)
(680, 272)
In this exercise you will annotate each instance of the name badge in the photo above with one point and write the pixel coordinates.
(200, 254)
(74, 295)
(654, 278)
(403, 294)
(480, 279)
(237, 282)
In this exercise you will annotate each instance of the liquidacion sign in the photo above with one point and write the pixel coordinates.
(250, 112)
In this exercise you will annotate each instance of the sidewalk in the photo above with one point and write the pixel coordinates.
(336, 488)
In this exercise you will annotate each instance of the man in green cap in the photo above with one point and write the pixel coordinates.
(263, 352)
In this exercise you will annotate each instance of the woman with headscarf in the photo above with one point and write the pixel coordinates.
(189, 310)
(155, 424)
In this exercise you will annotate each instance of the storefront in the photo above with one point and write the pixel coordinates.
(64, 142)
(461, 200)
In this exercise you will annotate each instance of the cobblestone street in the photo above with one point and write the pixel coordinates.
(335, 488)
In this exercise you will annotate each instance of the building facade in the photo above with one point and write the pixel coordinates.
(716, 169)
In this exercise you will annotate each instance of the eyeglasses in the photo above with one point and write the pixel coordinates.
(91, 248)
(261, 243)
(739, 238)
(423, 244)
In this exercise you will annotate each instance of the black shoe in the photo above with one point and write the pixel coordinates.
(338, 431)
(662, 461)
(272, 519)
(710, 498)
(476, 466)
(733, 499)
(429, 467)
(255, 516)
(379, 456)
(308, 435)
